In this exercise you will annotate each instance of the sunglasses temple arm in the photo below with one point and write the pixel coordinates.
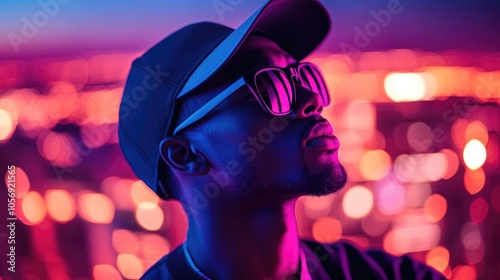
(203, 111)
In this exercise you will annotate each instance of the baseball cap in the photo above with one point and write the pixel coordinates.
(184, 60)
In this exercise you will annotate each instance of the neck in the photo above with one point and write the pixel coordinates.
(245, 239)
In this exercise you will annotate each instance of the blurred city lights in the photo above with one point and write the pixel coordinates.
(130, 266)
(420, 137)
(435, 207)
(474, 180)
(69, 107)
(317, 207)
(453, 162)
(105, 272)
(124, 241)
(439, 258)
(375, 164)
(149, 216)
(60, 205)
(140, 193)
(33, 208)
(405, 86)
(477, 130)
(95, 208)
(154, 246)
(327, 229)
(357, 202)
(412, 238)
(464, 272)
(478, 210)
(391, 198)
(7, 125)
(474, 154)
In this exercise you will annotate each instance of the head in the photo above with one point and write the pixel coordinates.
(239, 150)
(239, 147)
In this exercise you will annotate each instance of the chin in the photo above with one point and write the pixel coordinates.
(325, 182)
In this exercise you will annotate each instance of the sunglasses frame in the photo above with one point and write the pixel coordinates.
(293, 77)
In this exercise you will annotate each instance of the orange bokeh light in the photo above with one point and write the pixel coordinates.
(327, 230)
(7, 125)
(125, 242)
(60, 205)
(149, 216)
(453, 163)
(438, 258)
(458, 132)
(464, 272)
(33, 208)
(477, 130)
(141, 193)
(357, 202)
(105, 272)
(374, 165)
(474, 180)
(130, 266)
(435, 207)
(96, 208)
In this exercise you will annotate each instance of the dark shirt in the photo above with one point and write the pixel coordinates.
(339, 260)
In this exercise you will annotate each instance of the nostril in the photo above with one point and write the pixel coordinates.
(309, 109)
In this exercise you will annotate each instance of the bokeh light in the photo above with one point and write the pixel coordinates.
(374, 165)
(96, 208)
(477, 130)
(60, 205)
(141, 193)
(327, 229)
(438, 258)
(478, 210)
(420, 137)
(435, 207)
(391, 198)
(105, 272)
(33, 208)
(474, 154)
(464, 272)
(405, 87)
(149, 216)
(130, 266)
(357, 202)
(7, 125)
(474, 180)
(317, 207)
(453, 163)
(125, 242)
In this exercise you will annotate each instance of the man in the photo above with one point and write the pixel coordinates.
(229, 123)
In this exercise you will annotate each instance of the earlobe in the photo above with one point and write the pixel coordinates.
(177, 152)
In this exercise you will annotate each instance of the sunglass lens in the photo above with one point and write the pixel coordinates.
(275, 90)
(313, 80)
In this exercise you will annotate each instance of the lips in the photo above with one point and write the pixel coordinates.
(320, 137)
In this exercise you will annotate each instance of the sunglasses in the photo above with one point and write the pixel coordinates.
(274, 89)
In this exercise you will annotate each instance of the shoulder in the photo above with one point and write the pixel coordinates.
(344, 260)
(158, 271)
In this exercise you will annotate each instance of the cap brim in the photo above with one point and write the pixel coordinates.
(297, 26)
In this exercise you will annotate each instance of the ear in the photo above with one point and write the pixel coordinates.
(177, 152)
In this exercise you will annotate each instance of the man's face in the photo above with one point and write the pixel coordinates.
(262, 153)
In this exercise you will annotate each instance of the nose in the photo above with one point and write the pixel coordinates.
(307, 103)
